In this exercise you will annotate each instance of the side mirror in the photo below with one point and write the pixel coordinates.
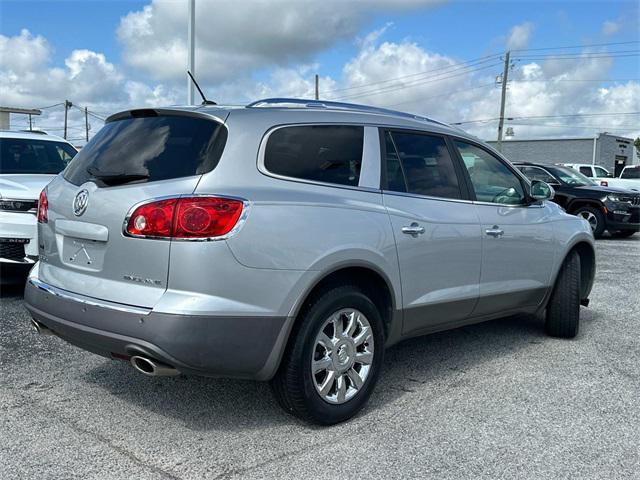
(541, 190)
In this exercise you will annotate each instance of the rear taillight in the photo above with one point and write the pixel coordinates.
(185, 217)
(43, 207)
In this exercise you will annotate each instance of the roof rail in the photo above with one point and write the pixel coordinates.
(301, 102)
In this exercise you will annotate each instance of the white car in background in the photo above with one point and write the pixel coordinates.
(28, 162)
(629, 177)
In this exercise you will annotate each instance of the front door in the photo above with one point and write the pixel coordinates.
(436, 230)
(518, 243)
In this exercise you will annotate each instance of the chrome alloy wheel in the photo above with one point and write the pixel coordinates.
(591, 218)
(342, 356)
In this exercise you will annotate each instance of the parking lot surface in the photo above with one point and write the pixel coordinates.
(495, 400)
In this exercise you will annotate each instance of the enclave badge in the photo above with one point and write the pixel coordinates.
(80, 202)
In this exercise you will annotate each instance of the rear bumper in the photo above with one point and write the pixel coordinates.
(242, 347)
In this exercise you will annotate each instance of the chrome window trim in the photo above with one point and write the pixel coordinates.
(428, 197)
(74, 297)
(263, 146)
(460, 200)
(246, 206)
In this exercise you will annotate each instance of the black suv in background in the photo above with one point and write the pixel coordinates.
(605, 208)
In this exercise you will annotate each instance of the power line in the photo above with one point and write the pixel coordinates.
(580, 57)
(600, 114)
(492, 84)
(563, 125)
(478, 61)
(575, 46)
(51, 106)
(392, 88)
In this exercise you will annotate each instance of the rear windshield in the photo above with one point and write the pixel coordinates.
(149, 149)
(21, 155)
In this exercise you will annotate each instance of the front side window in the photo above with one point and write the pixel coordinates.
(21, 155)
(535, 173)
(570, 176)
(586, 171)
(420, 164)
(492, 180)
(320, 153)
(601, 172)
(631, 173)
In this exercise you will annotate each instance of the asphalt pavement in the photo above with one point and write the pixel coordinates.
(495, 400)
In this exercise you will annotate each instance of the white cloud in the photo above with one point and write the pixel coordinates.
(234, 38)
(519, 36)
(610, 27)
(23, 52)
(400, 75)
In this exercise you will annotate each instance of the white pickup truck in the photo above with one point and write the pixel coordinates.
(629, 177)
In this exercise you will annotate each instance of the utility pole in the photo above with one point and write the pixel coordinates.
(317, 87)
(505, 78)
(191, 47)
(86, 123)
(30, 124)
(67, 106)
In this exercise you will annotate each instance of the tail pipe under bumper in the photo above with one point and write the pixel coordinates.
(152, 368)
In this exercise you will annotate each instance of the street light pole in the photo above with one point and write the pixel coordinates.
(191, 50)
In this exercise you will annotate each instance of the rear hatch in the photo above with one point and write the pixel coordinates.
(138, 156)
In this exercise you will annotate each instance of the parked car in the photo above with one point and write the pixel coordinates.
(292, 241)
(613, 209)
(28, 162)
(629, 177)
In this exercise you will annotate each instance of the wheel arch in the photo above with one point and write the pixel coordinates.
(575, 204)
(364, 275)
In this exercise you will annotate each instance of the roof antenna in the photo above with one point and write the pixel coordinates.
(204, 99)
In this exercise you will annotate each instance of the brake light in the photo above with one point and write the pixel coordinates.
(43, 207)
(185, 217)
(604, 183)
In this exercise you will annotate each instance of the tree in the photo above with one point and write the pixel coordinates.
(636, 143)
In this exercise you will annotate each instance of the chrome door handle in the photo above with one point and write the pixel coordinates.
(414, 229)
(494, 231)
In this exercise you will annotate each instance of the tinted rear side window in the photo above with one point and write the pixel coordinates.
(157, 147)
(321, 153)
(21, 155)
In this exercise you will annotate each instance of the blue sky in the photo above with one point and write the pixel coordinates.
(463, 30)
(114, 54)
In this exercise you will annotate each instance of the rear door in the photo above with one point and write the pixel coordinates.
(436, 230)
(138, 157)
(518, 246)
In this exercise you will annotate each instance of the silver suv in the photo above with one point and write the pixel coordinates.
(293, 241)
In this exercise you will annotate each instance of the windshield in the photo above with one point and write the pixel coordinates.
(631, 173)
(148, 149)
(25, 155)
(571, 176)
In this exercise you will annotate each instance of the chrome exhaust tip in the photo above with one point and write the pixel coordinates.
(152, 368)
(40, 328)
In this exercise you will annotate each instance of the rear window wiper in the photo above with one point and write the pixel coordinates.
(113, 178)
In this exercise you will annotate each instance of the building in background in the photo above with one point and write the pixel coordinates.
(609, 151)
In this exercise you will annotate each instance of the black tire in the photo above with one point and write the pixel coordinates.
(293, 384)
(599, 227)
(563, 311)
(622, 233)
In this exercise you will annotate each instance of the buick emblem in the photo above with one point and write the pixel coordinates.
(80, 202)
